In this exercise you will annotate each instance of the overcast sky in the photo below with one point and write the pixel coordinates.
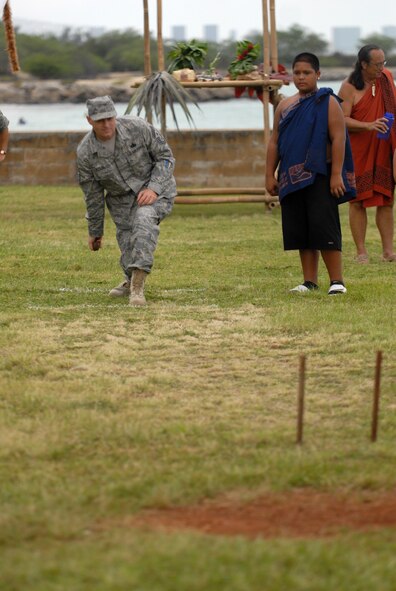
(240, 16)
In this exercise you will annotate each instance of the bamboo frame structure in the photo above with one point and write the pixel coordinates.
(274, 37)
(161, 62)
(147, 50)
(270, 59)
(147, 53)
(10, 38)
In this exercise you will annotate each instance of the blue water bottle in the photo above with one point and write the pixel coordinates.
(384, 135)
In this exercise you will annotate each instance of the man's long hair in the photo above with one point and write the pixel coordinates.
(356, 77)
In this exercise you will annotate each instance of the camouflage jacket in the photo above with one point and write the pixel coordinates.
(141, 159)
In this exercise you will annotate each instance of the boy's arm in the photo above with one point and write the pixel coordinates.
(337, 133)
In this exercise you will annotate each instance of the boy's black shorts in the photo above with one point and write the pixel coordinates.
(310, 218)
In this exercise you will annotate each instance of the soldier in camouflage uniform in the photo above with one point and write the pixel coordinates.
(3, 136)
(127, 164)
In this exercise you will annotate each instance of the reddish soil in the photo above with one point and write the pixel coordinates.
(299, 514)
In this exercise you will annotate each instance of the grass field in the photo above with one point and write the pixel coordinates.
(107, 410)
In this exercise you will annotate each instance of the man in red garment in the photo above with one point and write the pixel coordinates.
(367, 95)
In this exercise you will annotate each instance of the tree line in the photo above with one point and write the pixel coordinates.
(75, 55)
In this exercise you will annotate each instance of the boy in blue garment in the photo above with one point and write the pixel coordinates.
(310, 144)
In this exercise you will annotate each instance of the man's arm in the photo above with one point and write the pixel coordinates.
(347, 94)
(163, 165)
(94, 201)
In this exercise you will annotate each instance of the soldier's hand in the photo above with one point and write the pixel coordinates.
(94, 242)
(146, 197)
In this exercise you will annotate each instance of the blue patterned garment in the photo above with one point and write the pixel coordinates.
(302, 145)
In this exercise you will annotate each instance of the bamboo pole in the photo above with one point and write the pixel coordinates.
(224, 191)
(300, 400)
(147, 51)
(270, 201)
(274, 49)
(161, 63)
(160, 42)
(274, 37)
(10, 38)
(376, 397)
(266, 56)
(147, 54)
(269, 84)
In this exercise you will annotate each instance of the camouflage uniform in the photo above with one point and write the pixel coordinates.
(141, 159)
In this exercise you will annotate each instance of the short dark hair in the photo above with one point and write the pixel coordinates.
(356, 77)
(310, 58)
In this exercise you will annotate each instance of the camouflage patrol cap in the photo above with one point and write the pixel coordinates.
(101, 107)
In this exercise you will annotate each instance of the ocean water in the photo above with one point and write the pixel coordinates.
(243, 113)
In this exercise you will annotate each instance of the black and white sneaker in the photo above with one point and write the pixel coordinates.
(305, 287)
(336, 287)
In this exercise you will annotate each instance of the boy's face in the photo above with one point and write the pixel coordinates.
(305, 77)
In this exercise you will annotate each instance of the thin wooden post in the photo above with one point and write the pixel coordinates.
(266, 60)
(376, 397)
(10, 38)
(147, 51)
(274, 37)
(161, 63)
(300, 400)
(160, 42)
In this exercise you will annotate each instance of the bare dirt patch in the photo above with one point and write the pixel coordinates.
(298, 514)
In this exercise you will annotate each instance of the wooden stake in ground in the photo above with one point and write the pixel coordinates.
(376, 397)
(300, 400)
(10, 38)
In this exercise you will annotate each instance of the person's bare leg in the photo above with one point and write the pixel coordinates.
(309, 263)
(358, 225)
(333, 261)
(385, 225)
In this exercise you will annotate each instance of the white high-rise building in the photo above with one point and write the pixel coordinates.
(178, 33)
(346, 39)
(211, 33)
(389, 31)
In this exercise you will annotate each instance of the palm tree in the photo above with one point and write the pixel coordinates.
(160, 87)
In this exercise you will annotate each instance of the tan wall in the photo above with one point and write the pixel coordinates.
(203, 158)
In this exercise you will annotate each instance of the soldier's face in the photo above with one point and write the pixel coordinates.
(104, 128)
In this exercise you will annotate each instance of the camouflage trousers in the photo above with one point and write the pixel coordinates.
(137, 230)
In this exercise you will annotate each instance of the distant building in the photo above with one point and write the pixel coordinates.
(346, 39)
(232, 35)
(389, 31)
(211, 33)
(178, 33)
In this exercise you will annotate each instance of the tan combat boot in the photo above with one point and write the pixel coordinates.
(122, 290)
(137, 288)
